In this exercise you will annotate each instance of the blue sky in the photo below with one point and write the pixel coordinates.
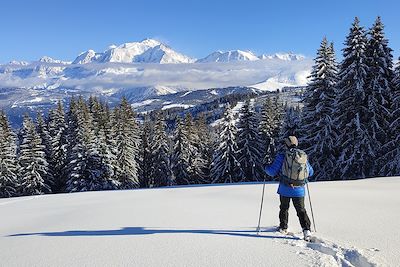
(62, 29)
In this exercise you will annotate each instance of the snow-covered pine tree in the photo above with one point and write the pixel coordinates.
(290, 125)
(354, 143)
(145, 153)
(205, 148)
(391, 159)
(103, 130)
(270, 125)
(8, 159)
(69, 138)
(109, 151)
(84, 169)
(379, 92)
(317, 133)
(32, 161)
(76, 158)
(249, 145)
(57, 127)
(197, 163)
(161, 168)
(182, 152)
(225, 166)
(127, 138)
(41, 128)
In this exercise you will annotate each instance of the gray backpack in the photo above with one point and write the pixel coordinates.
(294, 168)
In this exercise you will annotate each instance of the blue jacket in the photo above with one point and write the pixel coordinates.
(285, 190)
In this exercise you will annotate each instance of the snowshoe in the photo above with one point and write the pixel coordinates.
(307, 235)
(282, 230)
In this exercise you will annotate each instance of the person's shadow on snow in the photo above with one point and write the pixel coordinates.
(150, 231)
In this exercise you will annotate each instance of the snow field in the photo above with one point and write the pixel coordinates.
(201, 226)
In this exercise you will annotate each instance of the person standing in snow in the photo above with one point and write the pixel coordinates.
(294, 169)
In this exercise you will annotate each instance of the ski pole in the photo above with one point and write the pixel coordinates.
(312, 213)
(261, 207)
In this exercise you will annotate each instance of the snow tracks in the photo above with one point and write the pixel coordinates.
(322, 252)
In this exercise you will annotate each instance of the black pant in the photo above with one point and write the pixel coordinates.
(298, 203)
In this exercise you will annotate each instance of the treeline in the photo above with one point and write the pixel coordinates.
(94, 148)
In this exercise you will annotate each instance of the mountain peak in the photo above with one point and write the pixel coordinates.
(150, 42)
(232, 55)
(20, 63)
(283, 56)
(47, 59)
(146, 51)
(87, 57)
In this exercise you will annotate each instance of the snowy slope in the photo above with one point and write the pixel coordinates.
(162, 54)
(283, 80)
(198, 99)
(201, 226)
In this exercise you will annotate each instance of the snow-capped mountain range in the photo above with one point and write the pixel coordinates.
(142, 70)
(153, 51)
(239, 55)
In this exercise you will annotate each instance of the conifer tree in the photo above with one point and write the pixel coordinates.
(161, 171)
(85, 169)
(103, 131)
(145, 154)
(8, 159)
(205, 148)
(226, 167)
(32, 161)
(249, 145)
(290, 124)
(196, 160)
(127, 138)
(317, 133)
(270, 125)
(354, 143)
(391, 159)
(182, 152)
(43, 132)
(379, 91)
(57, 130)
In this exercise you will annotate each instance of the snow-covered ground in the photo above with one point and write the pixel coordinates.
(357, 223)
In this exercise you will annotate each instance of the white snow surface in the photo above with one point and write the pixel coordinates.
(143, 103)
(169, 106)
(214, 225)
(235, 113)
